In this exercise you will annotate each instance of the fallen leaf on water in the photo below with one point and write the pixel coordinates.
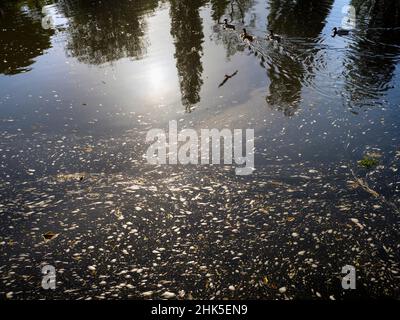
(63, 177)
(118, 213)
(49, 235)
(352, 184)
(88, 149)
(168, 295)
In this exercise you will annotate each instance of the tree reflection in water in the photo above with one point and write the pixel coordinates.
(104, 32)
(101, 32)
(371, 60)
(235, 10)
(295, 19)
(22, 37)
(187, 31)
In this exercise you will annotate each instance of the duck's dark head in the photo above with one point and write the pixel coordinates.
(334, 29)
(226, 20)
(244, 31)
(271, 32)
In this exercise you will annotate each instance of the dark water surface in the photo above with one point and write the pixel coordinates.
(76, 102)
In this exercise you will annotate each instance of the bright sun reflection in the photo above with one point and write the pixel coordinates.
(156, 77)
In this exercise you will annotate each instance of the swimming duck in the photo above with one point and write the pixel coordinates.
(339, 32)
(246, 36)
(274, 37)
(228, 26)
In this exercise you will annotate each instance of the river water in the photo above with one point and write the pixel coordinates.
(79, 94)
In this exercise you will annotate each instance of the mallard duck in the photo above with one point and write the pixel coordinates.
(228, 26)
(246, 36)
(274, 37)
(339, 32)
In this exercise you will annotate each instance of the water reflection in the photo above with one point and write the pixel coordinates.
(101, 31)
(235, 12)
(187, 32)
(234, 9)
(371, 60)
(294, 19)
(299, 18)
(22, 38)
(284, 92)
(219, 8)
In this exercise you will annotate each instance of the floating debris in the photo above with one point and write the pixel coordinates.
(118, 213)
(368, 162)
(357, 223)
(147, 293)
(168, 295)
(63, 177)
(49, 235)
(282, 290)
